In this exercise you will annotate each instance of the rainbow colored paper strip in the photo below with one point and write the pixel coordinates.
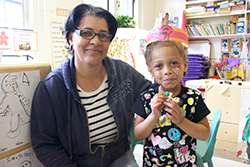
(180, 35)
(167, 32)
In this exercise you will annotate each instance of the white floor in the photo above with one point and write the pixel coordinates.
(218, 162)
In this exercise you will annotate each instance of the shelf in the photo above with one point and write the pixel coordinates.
(200, 2)
(217, 18)
(217, 15)
(221, 36)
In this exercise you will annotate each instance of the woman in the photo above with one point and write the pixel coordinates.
(81, 112)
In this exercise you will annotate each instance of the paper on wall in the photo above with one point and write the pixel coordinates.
(244, 113)
(16, 93)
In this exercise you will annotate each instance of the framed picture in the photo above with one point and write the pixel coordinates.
(235, 52)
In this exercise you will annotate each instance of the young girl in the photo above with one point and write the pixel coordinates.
(170, 129)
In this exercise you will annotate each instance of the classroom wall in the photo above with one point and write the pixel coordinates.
(49, 15)
(145, 14)
(44, 11)
(170, 6)
(146, 11)
(39, 26)
(173, 7)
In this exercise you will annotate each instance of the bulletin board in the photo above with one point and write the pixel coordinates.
(231, 48)
(18, 83)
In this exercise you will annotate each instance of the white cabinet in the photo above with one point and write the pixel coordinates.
(228, 99)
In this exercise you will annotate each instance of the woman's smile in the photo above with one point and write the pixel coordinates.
(93, 51)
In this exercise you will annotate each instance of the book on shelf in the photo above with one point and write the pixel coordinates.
(190, 28)
(208, 31)
(219, 29)
(195, 10)
(240, 26)
(225, 27)
(215, 29)
(204, 30)
(238, 8)
(211, 28)
(222, 30)
(192, 31)
(197, 30)
(233, 28)
(189, 31)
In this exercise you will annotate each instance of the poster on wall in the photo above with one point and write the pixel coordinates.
(142, 46)
(16, 95)
(121, 49)
(173, 22)
(62, 12)
(25, 41)
(244, 126)
(59, 43)
(6, 39)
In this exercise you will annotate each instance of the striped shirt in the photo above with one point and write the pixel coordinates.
(102, 126)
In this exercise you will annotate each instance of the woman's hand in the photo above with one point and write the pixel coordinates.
(173, 111)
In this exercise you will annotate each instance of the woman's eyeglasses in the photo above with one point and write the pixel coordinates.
(89, 34)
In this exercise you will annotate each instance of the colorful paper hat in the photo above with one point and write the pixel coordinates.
(166, 32)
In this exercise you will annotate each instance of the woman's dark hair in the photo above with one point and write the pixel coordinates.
(82, 10)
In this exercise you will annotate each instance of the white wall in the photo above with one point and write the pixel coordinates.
(146, 11)
(39, 26)
(44, 11)
(175, 9)
(50, 14)
(144, 14)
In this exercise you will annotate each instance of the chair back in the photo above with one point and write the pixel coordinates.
(214, 126)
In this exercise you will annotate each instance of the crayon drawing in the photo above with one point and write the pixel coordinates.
(16, 92)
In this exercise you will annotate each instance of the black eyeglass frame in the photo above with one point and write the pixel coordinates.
(79, 32)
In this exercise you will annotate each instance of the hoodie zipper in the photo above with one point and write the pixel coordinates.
(103, 152)
(102, 147)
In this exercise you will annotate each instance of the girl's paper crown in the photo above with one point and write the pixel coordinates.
(165, 32)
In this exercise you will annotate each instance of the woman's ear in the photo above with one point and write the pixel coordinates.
(70, 38)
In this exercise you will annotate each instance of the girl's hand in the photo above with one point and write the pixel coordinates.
(157, 104)
(173, 111)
